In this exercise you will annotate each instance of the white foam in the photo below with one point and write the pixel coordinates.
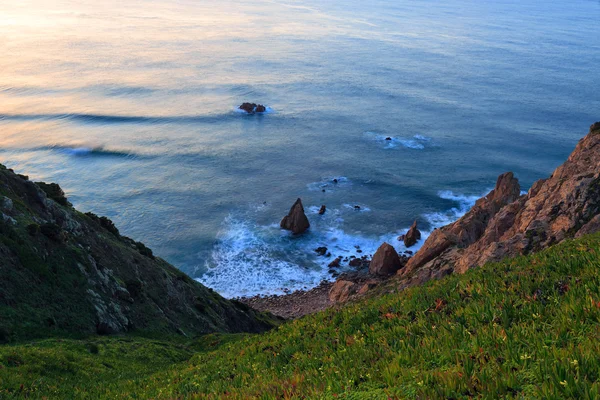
(392, 142)
(422, 138)
(251, 259)
(329, 183)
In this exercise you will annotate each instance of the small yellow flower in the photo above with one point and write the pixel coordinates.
(564, 383)
(574, 362)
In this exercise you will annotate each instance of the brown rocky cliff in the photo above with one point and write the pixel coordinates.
(505, 224)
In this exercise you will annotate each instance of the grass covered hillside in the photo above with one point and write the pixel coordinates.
(523, 328)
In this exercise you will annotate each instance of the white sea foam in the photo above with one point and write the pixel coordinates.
(392, 142)
(330, 183)
(422, 138)
(252, 259)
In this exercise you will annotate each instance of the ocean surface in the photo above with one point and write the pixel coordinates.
(131, 107)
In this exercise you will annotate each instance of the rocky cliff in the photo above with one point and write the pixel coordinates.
(505, 223)
(62, 271)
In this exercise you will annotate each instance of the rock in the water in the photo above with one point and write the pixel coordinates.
(321, 251)
(341, 291)
(385, 261)
(252, 108)
(296, 221)
(335, 263)
(322, 209)
(388, 138)
(412, 236)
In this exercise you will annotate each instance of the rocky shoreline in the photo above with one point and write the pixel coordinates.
(502, 224)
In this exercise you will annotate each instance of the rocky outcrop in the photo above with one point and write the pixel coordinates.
(385, 261)
(65, 271)
(342, 290)
(252, 108)
(505, 224)
(412, 236)
(296, 220)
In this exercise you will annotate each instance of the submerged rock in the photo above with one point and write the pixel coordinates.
(296, 220)
(386, 261)
(412, 236)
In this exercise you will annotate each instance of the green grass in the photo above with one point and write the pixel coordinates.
(524, 328)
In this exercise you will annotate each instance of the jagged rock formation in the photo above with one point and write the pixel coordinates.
(296, 220)
(385, 261)
(412, 236)
(65, 271)
(505, 224)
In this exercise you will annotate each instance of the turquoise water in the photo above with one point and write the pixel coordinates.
(131, 108)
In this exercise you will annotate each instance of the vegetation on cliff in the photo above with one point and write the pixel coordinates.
(523, 328)
(63, 272)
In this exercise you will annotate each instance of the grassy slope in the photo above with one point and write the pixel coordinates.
(525, 328)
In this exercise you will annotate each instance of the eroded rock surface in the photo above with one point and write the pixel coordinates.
(296, 220)
(505, 223)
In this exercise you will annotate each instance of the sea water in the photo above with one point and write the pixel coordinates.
(131, 108)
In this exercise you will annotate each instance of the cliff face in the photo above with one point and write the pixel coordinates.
(505, 224)
(69, 272)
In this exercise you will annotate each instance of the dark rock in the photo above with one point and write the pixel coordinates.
(357, 207)
(412, 236)
(321, 251)
(335, 263)
(248, 107)
(260, 108)
(355, 262)
(388, 138)
(322, 209)
(335, 181)
(296, 221)
(385, 261)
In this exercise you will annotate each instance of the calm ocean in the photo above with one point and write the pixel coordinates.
(130, 106)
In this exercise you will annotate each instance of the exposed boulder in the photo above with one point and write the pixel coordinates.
(322, 209)
(341, 291)
(505, 224)
(412, 236)
(252, 108)
(385, 261)
(296, 221)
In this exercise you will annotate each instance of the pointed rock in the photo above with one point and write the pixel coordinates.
(322, 209)
(296, 221)
(385, 261)
(412, 236)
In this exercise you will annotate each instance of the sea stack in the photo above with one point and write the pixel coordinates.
(412, 236)
(296, 221)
